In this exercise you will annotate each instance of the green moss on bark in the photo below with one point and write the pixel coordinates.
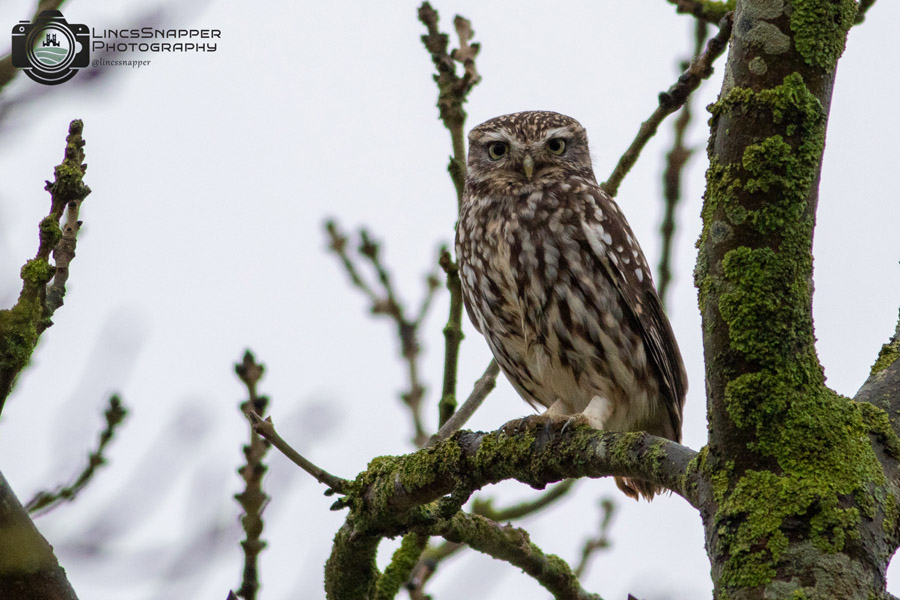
(817, 445)
(820, 30)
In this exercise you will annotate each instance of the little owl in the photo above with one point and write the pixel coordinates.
(555, 281)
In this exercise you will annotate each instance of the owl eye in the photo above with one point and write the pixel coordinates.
(556, 146)
(497, 150)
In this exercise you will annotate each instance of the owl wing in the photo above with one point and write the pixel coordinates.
(623, 262)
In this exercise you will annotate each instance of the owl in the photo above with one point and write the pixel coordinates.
(554, 279)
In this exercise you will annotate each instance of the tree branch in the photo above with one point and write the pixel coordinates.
(385, 302)
(676, 159)
(28, 568)
(862, 9)
(601, 540)
(514, 546)
(708, 11)
(882, 387)
(409, 493)
(22, 325)
(253, 499)
(453, 90)
(453, 336)
(43, 502)
(266, 429)
(483, 387)
(670, 101)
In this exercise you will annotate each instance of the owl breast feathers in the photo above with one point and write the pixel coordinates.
(554, 279)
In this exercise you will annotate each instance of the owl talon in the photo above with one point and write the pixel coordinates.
(575, 421)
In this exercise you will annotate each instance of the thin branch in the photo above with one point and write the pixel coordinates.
(453, 336)
(453, 90)
(670, 101)
(676, 159)
(384, 301)
(600, 541)
(514, 546)
(253, 499)
(480, 391)
(862, 9)
(486, 509)
(708, 11)
(266, 429)
(22, 325)
(44, 502)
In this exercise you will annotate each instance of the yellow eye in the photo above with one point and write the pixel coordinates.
(497, 150)
(556, 146)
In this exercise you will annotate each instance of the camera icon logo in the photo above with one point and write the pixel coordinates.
(49, 49)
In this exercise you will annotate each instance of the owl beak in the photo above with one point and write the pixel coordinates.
(528, 165)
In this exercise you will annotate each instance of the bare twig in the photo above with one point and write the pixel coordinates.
(43, 502)
(486, 509)
(22, 325)
(266, 429)
(384, 301)
(600, 541)
(676, 159)
(452, 89)
(670, 101)
(253, 499)
(708, 11)
(482, 388)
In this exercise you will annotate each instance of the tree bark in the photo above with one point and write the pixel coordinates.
(28, 568)
(803, 505)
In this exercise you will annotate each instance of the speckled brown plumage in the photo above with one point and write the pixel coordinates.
(555, 280)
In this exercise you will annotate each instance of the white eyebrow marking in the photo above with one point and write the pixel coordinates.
(557, 131)
(497, 136)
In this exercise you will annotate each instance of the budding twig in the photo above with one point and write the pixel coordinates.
(670, 101)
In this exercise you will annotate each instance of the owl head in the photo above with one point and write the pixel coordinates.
(521, 152)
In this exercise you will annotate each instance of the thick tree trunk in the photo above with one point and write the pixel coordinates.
(804, 500)
(28, 568)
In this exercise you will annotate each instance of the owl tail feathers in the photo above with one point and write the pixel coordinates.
(635, 488)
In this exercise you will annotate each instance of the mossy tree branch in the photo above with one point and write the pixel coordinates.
(418, 492)
(43, 285)
(513, 545)
(882, 388)
(803, 501)
(710, 11)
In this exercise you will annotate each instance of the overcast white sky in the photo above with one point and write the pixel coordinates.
(212, 175)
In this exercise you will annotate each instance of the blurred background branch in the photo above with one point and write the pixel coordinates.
(43, 502)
